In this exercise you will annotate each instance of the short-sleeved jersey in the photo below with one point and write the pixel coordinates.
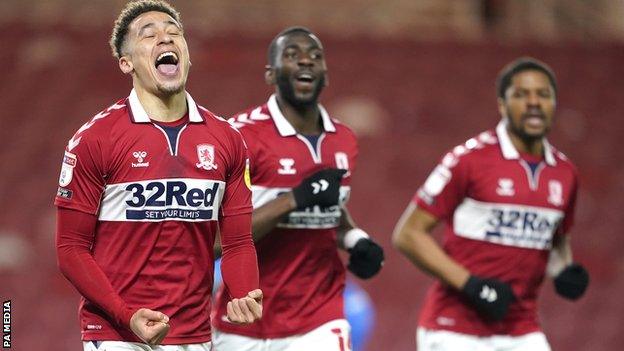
(502, 211)
(158, 202)
(301, 274)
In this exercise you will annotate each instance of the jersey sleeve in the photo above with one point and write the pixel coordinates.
(81, 181)
(568, 219)
(237, 196)
(348, 160)
(445, 187)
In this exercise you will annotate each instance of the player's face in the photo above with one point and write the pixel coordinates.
(529, 104)
(156, 54)
(300, 69)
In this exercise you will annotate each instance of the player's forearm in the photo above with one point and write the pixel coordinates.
(425, 252)
(73, 243)
(239, 266)
(86, 276)
(266, 217)
(560, 256)
(346, 224)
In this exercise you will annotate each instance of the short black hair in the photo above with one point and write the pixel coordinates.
(133, 10)
(520, 65)
(273, 46)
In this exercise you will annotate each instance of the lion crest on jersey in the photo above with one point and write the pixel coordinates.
(205, 155)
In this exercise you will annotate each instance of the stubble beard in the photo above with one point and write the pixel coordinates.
(288, 93)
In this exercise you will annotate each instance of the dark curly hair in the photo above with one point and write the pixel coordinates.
(133, 10)
(520, 65)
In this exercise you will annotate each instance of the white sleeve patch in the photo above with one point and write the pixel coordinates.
(437, 180)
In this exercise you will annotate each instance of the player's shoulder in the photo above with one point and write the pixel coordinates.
(100, 125)
(342, 129)
(482, 145)
(215, 121)
(563, 161)
(252, 119)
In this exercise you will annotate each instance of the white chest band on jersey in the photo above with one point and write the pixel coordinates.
(516, 225)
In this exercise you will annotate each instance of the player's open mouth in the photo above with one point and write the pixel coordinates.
(167, 63)
(534, 120)
(304, 80)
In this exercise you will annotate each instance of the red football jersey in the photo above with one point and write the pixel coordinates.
(301, 274)
(502, 211)
(158, 200)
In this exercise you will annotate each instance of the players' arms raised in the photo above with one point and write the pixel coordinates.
(570, 279)
(412, 237)
(74, 239)
(366, 257)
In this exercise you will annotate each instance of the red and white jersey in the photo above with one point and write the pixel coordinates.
(301, 274)
(158, 204)
(501, 218)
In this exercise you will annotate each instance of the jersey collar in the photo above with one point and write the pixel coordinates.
(285, 128)
(139, 115)
(509, 150)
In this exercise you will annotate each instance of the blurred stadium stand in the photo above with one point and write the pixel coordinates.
(414, 78)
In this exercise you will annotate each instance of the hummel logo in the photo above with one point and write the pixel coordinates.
(287, 166)
(319, 186)
(505, 187)
(140, 156)
(488, 294)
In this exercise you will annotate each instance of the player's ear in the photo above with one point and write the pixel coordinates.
(269, 75)
(502, 109)
(125, 65)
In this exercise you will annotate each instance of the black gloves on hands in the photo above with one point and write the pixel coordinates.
(490, 297)
(572, 281)
(322, 189)
(365, 259)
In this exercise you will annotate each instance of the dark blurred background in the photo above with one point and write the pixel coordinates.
(413, 78)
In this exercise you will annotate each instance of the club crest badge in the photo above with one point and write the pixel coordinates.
(555, 193)
(206, 157)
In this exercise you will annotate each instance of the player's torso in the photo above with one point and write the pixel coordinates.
(503, 228)
(511, 203)
(153, 180)
(301, 273)
(158, 219)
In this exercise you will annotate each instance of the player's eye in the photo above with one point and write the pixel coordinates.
(316, 55)
(545, 93)
(519, 94)
(290, 54)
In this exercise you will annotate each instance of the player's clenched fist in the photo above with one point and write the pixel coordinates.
(490, 297)
(150, 326)
(322, 189)
(247, 309)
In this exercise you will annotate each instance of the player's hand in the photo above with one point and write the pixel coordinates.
(572, 282)
(150, 326)
(366, 258)
(490, 297)
(322, 189)
(247, 309)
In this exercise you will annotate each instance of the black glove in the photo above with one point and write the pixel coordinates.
(366, 258)
(490, 297)
(572, 281)
(322, 188)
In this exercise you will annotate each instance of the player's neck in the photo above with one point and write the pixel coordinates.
(163, 109)
(533, 146)
(305, 119)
